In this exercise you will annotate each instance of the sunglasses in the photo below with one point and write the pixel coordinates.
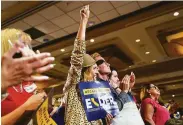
(99, 62)
(155, 87)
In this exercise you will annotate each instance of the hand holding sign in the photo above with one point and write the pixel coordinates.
(34, 101)
(108, 118)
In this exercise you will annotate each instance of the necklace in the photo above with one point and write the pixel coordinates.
(21, 88)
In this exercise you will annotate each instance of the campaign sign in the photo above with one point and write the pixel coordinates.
(42, 115)
(43, 118)
(97, 100)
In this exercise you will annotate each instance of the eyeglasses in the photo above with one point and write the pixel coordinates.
(153, 86)
(99, 62)
(19, 54)
(27, 44)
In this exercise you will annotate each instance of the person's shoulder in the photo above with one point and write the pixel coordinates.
(149, 101)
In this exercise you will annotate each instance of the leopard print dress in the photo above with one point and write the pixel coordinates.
(75, 114)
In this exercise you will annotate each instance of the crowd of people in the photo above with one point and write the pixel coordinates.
(22, 68)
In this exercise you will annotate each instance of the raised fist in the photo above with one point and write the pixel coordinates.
(85, 12)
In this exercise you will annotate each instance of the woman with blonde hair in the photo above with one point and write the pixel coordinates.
(14, 69)
(20, 97)
(83, 68)
(152, 112)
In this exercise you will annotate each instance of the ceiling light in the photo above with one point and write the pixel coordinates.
(137, 40)
(154, 61)
(176, 14)
(91, 23)
(147, 53)
(62, 50)
(92, 40)
(173, 95)
(130, 66)
(45, 40)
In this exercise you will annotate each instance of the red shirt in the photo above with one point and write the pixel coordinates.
(14, 99)
(161, 114)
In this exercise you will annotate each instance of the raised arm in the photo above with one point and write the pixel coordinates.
(84, 13)
(78, 51)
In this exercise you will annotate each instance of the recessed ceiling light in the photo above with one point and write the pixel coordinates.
(147, 53)
(62, 50)
(92, 40)
(130, 66)
(176, 13)
(45, 40)
(137, 40)
(173, 95)
(91, 23)
(154, 61)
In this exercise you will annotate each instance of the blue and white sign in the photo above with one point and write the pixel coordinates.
(97, 99)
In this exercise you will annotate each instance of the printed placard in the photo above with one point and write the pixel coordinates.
(43, 118)
(97, 99)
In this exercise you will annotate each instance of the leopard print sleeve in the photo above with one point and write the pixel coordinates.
(75, 113)
(74, 73)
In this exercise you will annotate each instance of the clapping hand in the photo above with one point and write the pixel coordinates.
(124, 85)
(21, 69)
(132, 80)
